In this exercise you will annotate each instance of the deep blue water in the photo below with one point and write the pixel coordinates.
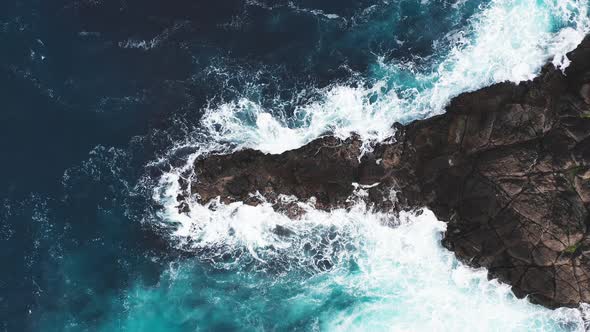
(93, 93)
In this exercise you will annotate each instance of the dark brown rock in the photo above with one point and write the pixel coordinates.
(508, 167)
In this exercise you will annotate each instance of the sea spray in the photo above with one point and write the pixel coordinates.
(506, 41)
(355, 269)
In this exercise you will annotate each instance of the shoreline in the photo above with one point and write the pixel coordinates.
(507, 167)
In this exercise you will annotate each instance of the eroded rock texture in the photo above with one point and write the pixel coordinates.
(508, 167)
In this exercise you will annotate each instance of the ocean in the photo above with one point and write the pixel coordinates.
(106, 104)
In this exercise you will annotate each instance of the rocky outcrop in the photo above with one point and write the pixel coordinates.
(508, 167)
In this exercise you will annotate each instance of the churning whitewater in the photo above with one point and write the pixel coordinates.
(507, 41)
(355, 269)
(106, 105)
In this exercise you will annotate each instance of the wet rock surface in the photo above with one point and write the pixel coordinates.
(508, 167)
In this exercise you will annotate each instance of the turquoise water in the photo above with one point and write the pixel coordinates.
(120, 99)
(344, 271)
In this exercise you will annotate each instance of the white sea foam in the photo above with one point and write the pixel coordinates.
(508, 41)
(403, 277)
(140, 44)
(411, 281)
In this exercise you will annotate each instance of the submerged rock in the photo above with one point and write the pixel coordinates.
(508, 167)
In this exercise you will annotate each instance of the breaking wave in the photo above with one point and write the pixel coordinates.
(507, 41)
(356, 269)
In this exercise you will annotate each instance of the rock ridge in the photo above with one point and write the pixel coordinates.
(507, 167)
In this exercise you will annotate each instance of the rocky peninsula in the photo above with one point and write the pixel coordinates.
(507, 167)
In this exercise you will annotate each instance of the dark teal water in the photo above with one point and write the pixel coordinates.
(104, 102)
